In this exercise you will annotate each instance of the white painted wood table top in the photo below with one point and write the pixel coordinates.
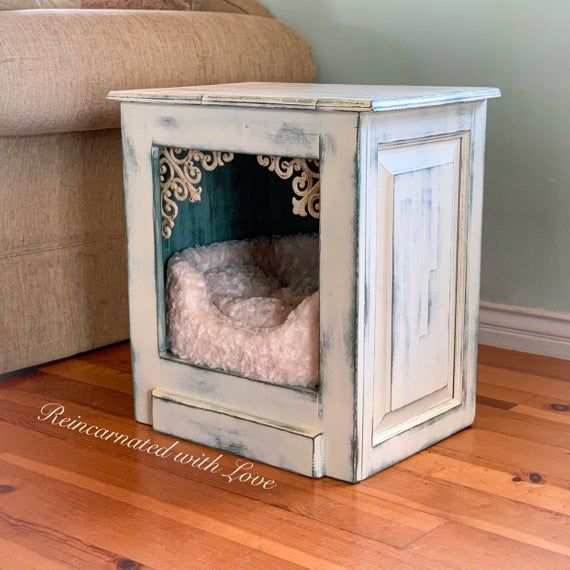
(311, 96)
(401, 187)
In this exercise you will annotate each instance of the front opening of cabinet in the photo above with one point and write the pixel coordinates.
(238, 263)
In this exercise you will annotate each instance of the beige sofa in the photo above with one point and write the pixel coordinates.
(62, 232)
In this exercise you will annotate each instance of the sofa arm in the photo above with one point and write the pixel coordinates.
(252, 7)
(57, 66)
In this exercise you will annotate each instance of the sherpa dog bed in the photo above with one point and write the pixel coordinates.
(248, 307)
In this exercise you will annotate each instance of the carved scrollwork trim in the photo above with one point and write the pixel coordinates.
(306, 185)
(180, 176)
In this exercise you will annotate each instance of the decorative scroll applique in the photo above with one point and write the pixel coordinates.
(306, 185)
(180, 176)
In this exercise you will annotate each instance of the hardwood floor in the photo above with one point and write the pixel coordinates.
(493, 496)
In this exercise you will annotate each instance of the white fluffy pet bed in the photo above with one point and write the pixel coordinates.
(248, 307)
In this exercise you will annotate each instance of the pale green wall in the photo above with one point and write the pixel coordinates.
(520, 46)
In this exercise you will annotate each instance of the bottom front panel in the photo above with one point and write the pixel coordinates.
(289, 447)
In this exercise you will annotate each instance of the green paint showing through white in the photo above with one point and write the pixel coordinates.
(523, 48)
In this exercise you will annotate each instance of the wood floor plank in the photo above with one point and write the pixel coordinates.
(499, 483)
(546, 408)
(59, 547)
(493, 403)
(525, 428)
(398, 516)
(533, 383)
(91, 373)
(134, 532)
(309, 545)
(505, 452)
(525, 362)
(117, 356)
(24, 558)
(480, 549)
(470, 507)
(502, 393)
(48, 387)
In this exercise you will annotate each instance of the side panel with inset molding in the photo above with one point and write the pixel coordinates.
(419, 277)
(418, 214)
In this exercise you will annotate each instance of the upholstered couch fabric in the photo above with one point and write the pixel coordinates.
(58, 66)
(251, 7)
(58, 302)
(60, 190)
(63, 278)
(38, 4)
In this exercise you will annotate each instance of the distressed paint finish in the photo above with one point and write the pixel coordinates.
(422, 180)
(341, 400)
(295, 448)
(428, 419)
(400, 218)
(416, 224)
(313, 97)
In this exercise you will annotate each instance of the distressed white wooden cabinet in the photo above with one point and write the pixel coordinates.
(398, 198)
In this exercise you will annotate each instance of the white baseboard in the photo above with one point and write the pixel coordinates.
(529, 330)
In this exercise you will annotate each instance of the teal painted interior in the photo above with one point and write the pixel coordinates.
(239, 200)
(520, 47)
